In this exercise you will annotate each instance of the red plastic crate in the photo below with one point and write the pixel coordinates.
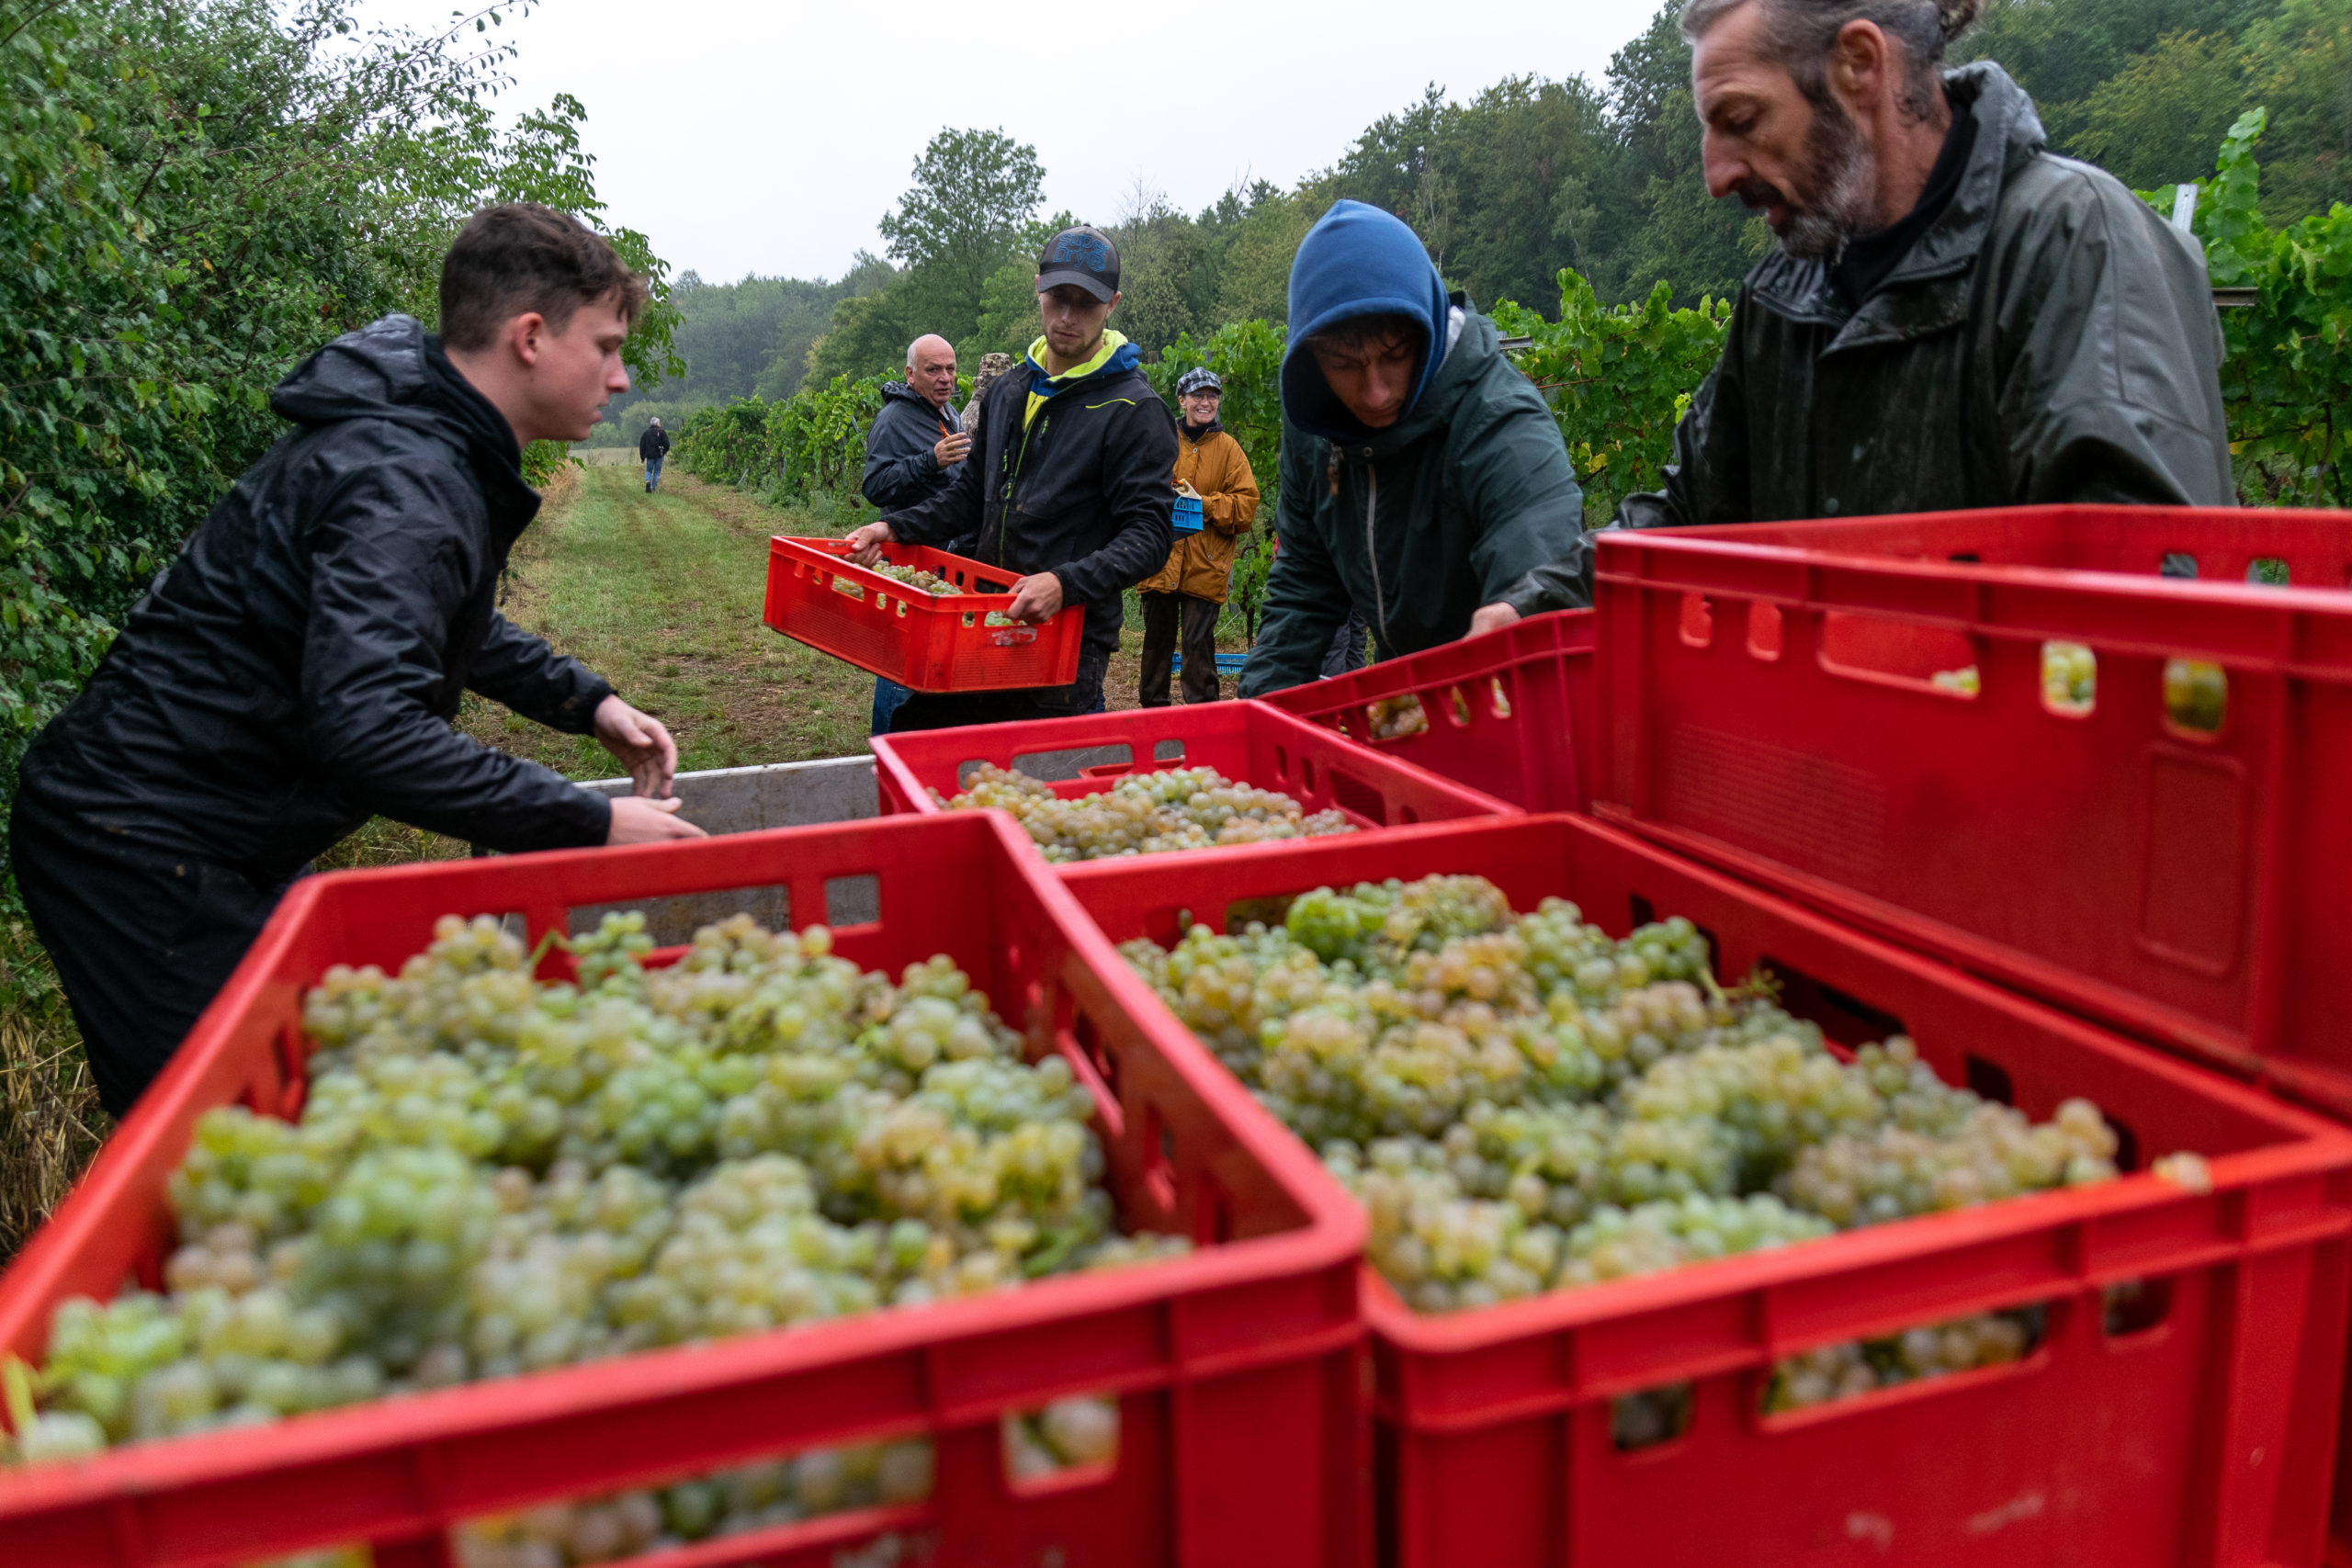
(1509, 712)
(2207, 1438)
(1245, 740)
(1237, 1369)
(925, 642)
(1767, 706)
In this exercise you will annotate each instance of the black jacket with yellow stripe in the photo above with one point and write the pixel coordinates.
(1068, 474)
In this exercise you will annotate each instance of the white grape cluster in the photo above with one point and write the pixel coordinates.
(915, 577)
(1081, 1430)
(728, 1502)
(1177, 808)
(492, 1176)
(1523, 1104)
(1857, 1366)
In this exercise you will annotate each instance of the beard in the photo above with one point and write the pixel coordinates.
(1834, 195)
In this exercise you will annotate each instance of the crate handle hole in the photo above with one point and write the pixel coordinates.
(1990, 1080)
(1069, 1444)
(1844, 1019)
(1855, 1369)
(1900, 653)
(2127, 1142)
(2177, 563)
(1159, 1174)
(852, 900)
(2197, 697)
(1352, 794)
(1498, 700)
(1763, 630)
(1168, 751)
(1650, 1417)
(2069, 679)
(1698, 621)
(2132, 1307)
(1458, 706)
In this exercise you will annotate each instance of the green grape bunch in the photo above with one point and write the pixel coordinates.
(494, 1175)
(1523, 1104)
(1142, 813)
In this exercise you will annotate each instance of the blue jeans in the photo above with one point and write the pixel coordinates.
(653, 473)
(887, 696)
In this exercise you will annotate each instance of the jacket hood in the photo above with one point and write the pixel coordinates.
(2009, 135)
(1358, 260)
(1214, 427)
(1114, 354)
(394, 369)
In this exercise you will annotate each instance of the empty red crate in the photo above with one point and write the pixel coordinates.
(925, 642)
(1246, 741)
(2205, 1435)
(1769, 704)
(1509, 712)
(1237, 1369)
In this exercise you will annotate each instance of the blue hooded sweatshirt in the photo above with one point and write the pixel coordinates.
(1358, 261)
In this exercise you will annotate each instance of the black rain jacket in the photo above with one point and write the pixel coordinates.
(899, 468)
(296, 669)
(654, 442)
(1083, 489)
(2047, 339)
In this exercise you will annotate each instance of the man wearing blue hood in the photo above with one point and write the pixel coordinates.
(1067, 485)
(1422, 476)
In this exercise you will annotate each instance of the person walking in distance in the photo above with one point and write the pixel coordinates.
(1067, 488)
(294, 672)
(911, 452)
(1181, 603)
(653, 445)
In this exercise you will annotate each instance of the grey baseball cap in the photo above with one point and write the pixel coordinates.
(1083, 255)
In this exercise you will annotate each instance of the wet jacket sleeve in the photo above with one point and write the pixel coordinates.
(1516, 483)
(384, 589)
(899, 468)
(1138, 456)
(526, 675)
(1306, 603)
(2106, 353)
(1232, 506)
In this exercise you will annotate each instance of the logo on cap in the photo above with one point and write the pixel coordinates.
(1087, 251)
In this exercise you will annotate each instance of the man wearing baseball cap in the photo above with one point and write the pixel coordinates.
(1067, 485)
(1183, 599)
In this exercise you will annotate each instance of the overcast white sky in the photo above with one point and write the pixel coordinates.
(756, 136)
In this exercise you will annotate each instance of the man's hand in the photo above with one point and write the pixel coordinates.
(637, 820)
(1035, 597)
(643, 746)
(951, 449)
(865, 544)
(1491, 618)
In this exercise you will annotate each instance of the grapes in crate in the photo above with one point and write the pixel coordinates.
(915, 577)
(1523, 1104)
(492, 1176)
(1143, 814)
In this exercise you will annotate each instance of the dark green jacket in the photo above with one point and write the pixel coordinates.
(1447, 509)
(2049, 339)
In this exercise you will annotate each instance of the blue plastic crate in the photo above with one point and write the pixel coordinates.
(1226, 663)
(1187, 519)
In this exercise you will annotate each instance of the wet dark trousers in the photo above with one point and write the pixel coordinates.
(1164, 617)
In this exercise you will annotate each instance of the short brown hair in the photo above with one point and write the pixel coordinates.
(1381, 329)
(521, 256)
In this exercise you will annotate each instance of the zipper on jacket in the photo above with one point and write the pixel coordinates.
(1371, 546)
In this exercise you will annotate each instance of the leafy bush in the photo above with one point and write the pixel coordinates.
(200, 196)
(2287, 379)
(1618, 377)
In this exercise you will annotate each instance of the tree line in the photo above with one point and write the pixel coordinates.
(1508, 188)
